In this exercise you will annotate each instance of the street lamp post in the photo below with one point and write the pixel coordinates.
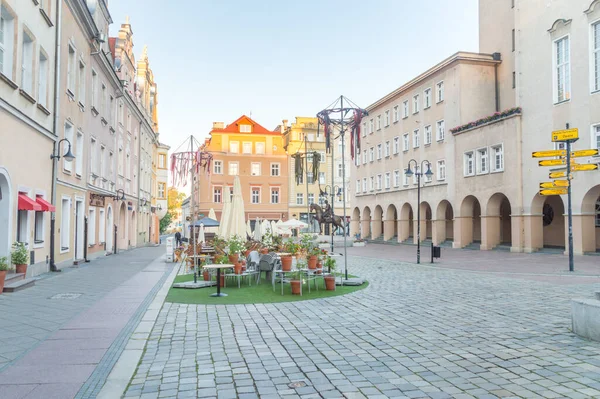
(419, 172)
(336, 191)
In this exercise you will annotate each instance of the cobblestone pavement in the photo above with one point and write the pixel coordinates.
(415, 332)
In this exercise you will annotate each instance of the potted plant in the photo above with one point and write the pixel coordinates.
(222, 260)
(286, 260)
(19, 257)
(234, 247)
(3, 270)
(330, 278)
(296, 279)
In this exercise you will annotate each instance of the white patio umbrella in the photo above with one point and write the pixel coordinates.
(248, 229)
(201, 237)
(266, 226)
(237, 221)
(294, 224)
(212, 215)
(224, 222)
(274, 228)
(280, 230)
(257, 231)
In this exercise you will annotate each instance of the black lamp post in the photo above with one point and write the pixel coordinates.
(55, 156)
(336, 191)
(419, 172)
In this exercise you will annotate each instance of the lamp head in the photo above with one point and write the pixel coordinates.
(69, 155)
(409, 171)
(429, 173)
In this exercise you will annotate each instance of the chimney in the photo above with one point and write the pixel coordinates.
(218, 125)
(284, 125)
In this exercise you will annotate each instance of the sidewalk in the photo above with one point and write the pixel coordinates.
(54, 335)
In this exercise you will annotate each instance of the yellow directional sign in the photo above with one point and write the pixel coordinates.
(584, 153)
(561, 183)
(554, 191)
(552, 162)
(547, 185)
(581, 168)
(556, 175)
(549, 153)
(564, 135)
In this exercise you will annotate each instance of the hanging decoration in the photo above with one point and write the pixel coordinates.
(316, 161)
(345, 118)
(298, 167)
(184, 163)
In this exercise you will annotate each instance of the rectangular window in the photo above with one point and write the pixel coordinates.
(388, 180)
(441, 170)
(379, 151)
(372, 183)
(234, 147)
(274, 169)
(38, 233)
(234, 168)
(562, 70)
(405, 109)
(427, 98)
(101, 226)
(27, 64)
(218, 167)
(104, 110)
(245, 128)
(247, 147)
(162, 190)
(321, 177)
(469, 169)
(396, 114)
(260, 148)
(404, 178)
(43, 81)
(255, 169)
(103, 162)
(255, 195)
(274, 195)
(65, 224)
(364, 129)
(81, 82)
(596, 56)
(387, 118)
(79, 154)
(371, 154)
(405, 142)
(93, 158)
(311, 198)
(396, 144)
(358, 186)
(415, 104)
(379, 181)
(364, 184)
(416, 139)
(514, 80)
(439, 92)
(482, 161)
(371, 126)
(162, 161)
(217, 194)
(94, 89)
(440, 130)
(498, 154)
(22, 223)
(7, 38)
(396, 178)
(513, 40)
(364, 157)
(378, 122)
(299, 199)
(323, 157)
(309, 178)
(387, 149)
(92, 226)
(110, 164)
(428, 135)
(596, 137)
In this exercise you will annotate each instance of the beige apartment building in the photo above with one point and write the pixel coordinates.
(477, 118)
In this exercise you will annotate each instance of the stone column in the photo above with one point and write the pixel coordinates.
(375, 229)
(516, 233)
(438, 231)
(403, 229)
(355, 227)
(490, 232)
(365, 226)
(584, 233)
(533, 233)
(388, 229)
(463, 231)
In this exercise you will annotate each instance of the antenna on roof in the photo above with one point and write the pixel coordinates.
(250, 113)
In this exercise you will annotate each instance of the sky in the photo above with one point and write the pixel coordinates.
(215, 60)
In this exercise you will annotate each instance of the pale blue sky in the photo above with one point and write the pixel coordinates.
(215, 60)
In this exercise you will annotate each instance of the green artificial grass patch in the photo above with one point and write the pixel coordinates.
(262, 293)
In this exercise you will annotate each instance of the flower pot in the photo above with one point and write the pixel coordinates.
(2, 279)
(206, 276)
(233, 258)
(329, 283)
(237, 268)
(295, 286)
(319, 264)
(222, 281)
(21, 269)
(312, 262)
(264, 251)
(286, 263)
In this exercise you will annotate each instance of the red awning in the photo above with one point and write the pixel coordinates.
(46, 206)
(27, 204)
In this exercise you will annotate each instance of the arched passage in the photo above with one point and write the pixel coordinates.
(467, 228)
(546, 227)
(497, 227)
(377, 223)
(426, 221)
(390, 226)
(443, 225)
(586, 226)
(122, 227)
(405, 228)
(355, 222)
(366, 223)
(5, 212)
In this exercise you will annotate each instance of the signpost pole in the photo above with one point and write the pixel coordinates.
(570, 211)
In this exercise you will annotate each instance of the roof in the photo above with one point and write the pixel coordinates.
(245, 120)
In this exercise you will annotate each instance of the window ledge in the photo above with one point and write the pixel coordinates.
(64, 250)
(396, 121)
(427, 107)
(27, 96)
(468, 175)
(483, 173)
(562, 102)
(81, 106)
(427, 145)
(440, 140)
(70, 95)
(595, 92)
(8, 81)
(498, 171)
(112, 130)
(36, 2)
(439, 102)
(46, 17)
(94, 111)
(43, 109)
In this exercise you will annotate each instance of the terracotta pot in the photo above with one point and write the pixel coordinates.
(243, 261)
(21, 269)
(312, 262)
(237, 268)
(286, 263)
(319, 264)
(233, 258)
(2, 279)
(206, 276)
(330, 283)
(295, 287)
(222, 281)
(264, 251)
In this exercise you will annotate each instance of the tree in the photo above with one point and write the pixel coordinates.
(165, 222)
(174, 199)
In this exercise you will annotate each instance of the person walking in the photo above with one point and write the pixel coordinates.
(178, 238)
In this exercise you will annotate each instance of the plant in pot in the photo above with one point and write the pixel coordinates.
(19, 257)
(330, 278)
(286, 260)
(235, 245)
(222, 260)
(296, 279)
(3, 270)
(205, 272)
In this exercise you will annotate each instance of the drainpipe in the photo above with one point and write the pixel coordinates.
(139, 174)
(56, 150)
(497, 57)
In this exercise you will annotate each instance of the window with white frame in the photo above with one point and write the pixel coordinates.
(275, 169)
(255, 195)
(358, 185)
(439, 92)
(92, 226)
(260, 148)
(231, 193)
(364, 129)
(94, 89)
(311, 198)
(247, 148)
(396, 178)
(218, 167)
(7, 42)
(71, 70)
(371, 154)
(27, 63)
(323, 157)
(217, 194)
(427, 134)
(101, 226)
(396, 144)
(371, 126)
(109, 111)
(562, 70)
(388, 180)
(595, 44)
(81, 82)
(440, 130)
(379, 181)
(162, 190)
(387, 118)
(93, 158)
(405, 142)
(234, 147)
(378, 122)
(379, 151)
(498, 161)
(42, 80)
(310, 178)
(372, 183)
(299, 199)
(387, 149)
(364, 184)
(38, 227)
(103, 162)
(427, 178)
(22, 225)
(415, 104)
(596, 136)
(234, 168)
(405, 109)
(364, 157)
(427, 98)
(416, 138)
(404, 177)
(255, 168)
(482, 161)
(321, 177)
(441, 169)
(65, 224)
(245, 128)
(469, 164)
(274, 195)
(396, 114)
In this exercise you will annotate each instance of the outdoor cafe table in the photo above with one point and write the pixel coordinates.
(309, 274)
(218, 267)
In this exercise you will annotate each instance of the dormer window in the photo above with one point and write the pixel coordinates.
(245, 128)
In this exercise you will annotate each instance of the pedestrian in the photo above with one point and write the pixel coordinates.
(178, 238)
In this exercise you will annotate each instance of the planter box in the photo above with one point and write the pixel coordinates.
(359, 244)
(324, 245)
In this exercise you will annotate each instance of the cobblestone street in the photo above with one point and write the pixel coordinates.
(415, 332)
